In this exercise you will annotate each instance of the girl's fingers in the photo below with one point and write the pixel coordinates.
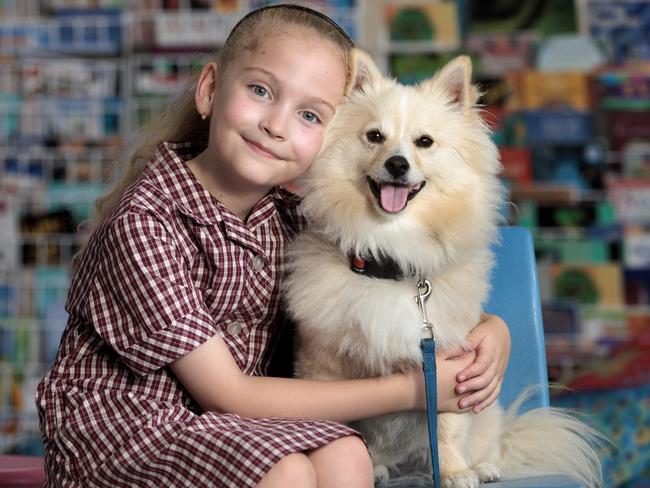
(476, 382)
(488, 401)
(477, 368)
(481, 395)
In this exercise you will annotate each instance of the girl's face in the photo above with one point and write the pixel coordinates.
(270, 110)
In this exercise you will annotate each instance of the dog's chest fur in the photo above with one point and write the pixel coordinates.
(354, 326)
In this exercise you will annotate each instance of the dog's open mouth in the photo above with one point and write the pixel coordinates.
(393, 197)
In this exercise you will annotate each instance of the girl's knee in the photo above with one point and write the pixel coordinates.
(352, 448)
(344, 462)
(292, 470)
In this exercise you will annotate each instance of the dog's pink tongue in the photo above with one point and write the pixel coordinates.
(393, 198)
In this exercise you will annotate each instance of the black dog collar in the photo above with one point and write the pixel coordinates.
(383, 268)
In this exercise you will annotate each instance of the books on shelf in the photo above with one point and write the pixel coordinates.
(550, 127)
(541, 89)
(69, 119)
(572, 250)
(637, 287)
(624, 126)
(635, 159)
(631, 199)
(69, 31)
(562, 319)
(76, 198)
(9, 238)
(622, 87)
(584, 283)
(10, 108)
(636, 246)
(69, 77)
(19, 341)
(191, 28)
(47, 238)
(32, 319)
(501, 53)
(517, 164)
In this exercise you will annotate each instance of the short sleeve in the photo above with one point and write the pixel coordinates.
(142, 301)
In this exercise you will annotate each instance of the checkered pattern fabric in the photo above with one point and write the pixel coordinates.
(169, 268)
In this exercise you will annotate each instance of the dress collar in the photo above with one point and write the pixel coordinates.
(170, 173)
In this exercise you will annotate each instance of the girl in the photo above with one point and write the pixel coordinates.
(174, 302)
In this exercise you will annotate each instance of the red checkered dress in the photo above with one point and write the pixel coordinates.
(169, 268)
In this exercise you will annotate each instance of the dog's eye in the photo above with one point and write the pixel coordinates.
(423, 141)
(375, 136)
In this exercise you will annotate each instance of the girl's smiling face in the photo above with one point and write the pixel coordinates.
(270, 109)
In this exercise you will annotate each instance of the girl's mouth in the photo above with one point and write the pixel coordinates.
(259, 149)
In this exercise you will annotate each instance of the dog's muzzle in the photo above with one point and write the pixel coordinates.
(393, 196)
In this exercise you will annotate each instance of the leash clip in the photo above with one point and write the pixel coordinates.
(424, 291)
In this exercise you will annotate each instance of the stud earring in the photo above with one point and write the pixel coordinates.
(203, 116)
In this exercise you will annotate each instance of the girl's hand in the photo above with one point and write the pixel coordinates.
(448, 366)
(480, 383)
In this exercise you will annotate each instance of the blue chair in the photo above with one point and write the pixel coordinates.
(515, 298)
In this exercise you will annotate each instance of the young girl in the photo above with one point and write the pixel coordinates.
(174, 303)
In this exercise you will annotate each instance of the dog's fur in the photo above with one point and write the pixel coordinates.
(351, 326)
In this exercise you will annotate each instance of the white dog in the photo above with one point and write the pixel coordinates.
(406, 186)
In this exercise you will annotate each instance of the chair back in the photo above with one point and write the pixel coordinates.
(515, 298)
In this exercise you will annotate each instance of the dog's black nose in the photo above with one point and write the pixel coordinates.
(397, 165)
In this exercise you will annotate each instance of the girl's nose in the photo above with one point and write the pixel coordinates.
(275, 123)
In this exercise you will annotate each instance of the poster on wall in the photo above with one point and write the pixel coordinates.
(588, 283)
(542, 17)
(418, 27)
(620, 27)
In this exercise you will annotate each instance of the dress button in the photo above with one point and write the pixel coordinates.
(234, 328)
(258, 262)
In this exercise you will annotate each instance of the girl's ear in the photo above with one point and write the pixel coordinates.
(205, 88)
(455, 78)
(363, 71)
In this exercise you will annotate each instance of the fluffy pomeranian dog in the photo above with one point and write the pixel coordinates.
(406, 184)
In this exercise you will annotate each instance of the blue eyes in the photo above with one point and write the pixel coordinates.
(306, 115)
(260, 91)
(310, 117)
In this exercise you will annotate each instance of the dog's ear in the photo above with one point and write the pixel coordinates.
(456, 79)
(363, 71)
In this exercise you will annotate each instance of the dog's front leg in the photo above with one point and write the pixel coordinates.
(453, 434)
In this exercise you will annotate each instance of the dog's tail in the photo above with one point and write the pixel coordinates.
(549, 441)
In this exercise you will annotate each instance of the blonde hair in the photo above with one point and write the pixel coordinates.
(180, 121)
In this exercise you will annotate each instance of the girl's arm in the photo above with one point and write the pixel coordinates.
(480, 383)
(214, 380)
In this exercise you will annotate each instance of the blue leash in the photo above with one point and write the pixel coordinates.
(428, 346)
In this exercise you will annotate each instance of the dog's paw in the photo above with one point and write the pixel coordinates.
(487, 472)
(461, 479)
(381, 473)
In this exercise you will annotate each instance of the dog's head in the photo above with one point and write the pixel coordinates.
(405, 163)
